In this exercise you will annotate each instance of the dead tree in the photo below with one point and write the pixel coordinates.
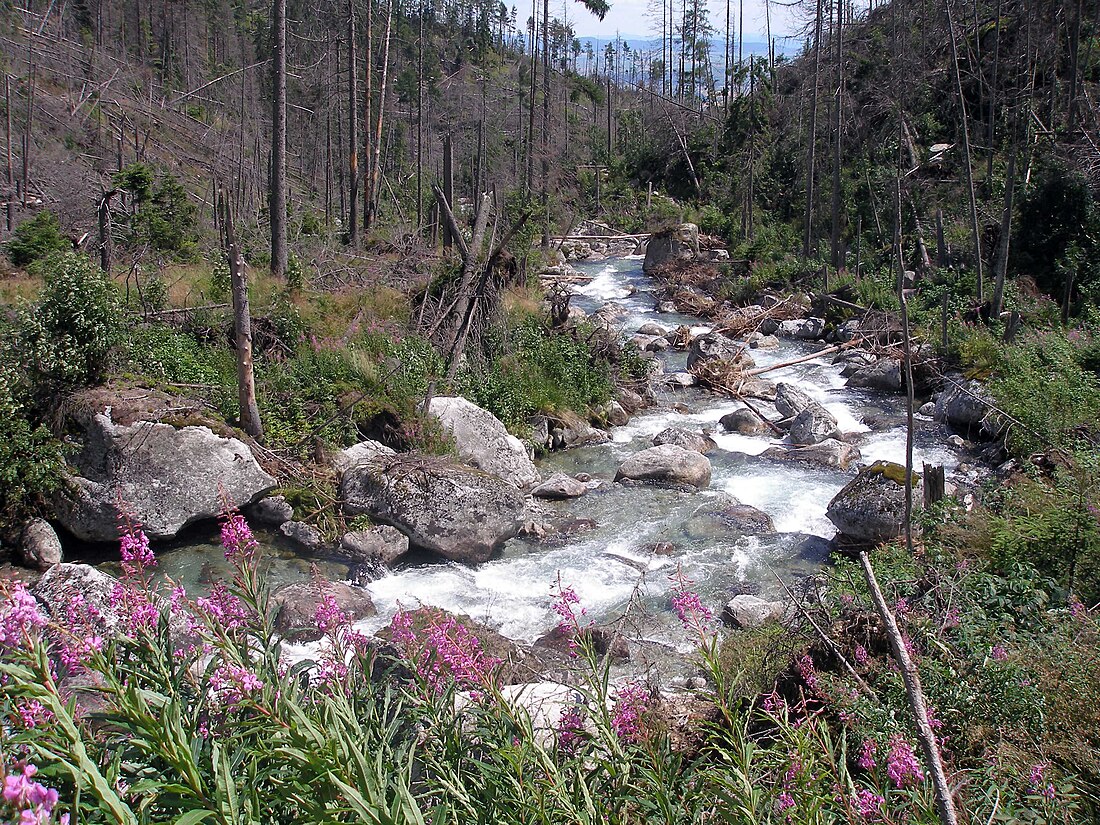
(106, 245)
(278, 142)
(353, 129)
(811, 146)
(242, 327)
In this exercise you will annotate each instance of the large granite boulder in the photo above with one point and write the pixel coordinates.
(680, 242)
(725, 517)
(166, 478)
(447, 508)
(667, 463)
(365, 452)
(871, 507)
(884, 375)
(746, 612)
(965, 405)
(745, 422)
(483, 441)
(714, 346)
(689, 440)
(790, 400)
(808, 329)
(63, 582)
(381, 544)
(830, 453)
(560, 486)
(813, 425)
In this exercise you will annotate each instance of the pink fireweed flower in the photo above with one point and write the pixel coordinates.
(1037, 782)
(867, 755)
(134, 549)
(231, 685)
(135, 611)
(35, 801)
(809, 673)
(81, 636)
(328, 614)
(443, 652)
(237, 538)
(785, 801)
(19, 617)
(626, 718)
(570, 730)
(694, 616)
(33, 713)
(861, 656)
(868, 805)
(223, 609)
(998, 653)
(902, 765)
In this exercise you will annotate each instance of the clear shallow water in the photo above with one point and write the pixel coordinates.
(613, 566)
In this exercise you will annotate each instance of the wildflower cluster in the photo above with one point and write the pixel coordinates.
(631, 702)
(1037, 782)
(572, 616)
(444, 651)
(28, 802)
(902, 765)
(237, 539)
(19, 618)
(130, 595)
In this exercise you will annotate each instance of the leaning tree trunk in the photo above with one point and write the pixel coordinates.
(811, 149)
(278, 143)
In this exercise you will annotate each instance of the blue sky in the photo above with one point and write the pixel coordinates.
(630, 18)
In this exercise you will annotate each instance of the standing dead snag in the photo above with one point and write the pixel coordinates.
(242, 327)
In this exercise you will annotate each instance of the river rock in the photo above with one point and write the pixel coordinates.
(630, 401)
(699, 442)
(483, 442)
(365, 452)
(871, 507)
(757, 340)
(40, 548)
(809, 329)
(813, 425)
(853, 360)
(745, 422)
(829, 453)
(302, 536)
(57, 587)
(652, 329)
(746, 612)
(604, 642)
(725, 515)
(667, 463)
(790, 400)
(272, 511)
(298, 603)
(167, 477)
(560, 486)
(714, 346)
(965, 406)
(380, 544)
(758, 388)
(884, 375)
(570, 431)
(450, 509)
(680, 242)
(613, 414)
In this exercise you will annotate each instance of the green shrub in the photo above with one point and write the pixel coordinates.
(32, 466)
(65, 338)
(36, 238)
(163, 215)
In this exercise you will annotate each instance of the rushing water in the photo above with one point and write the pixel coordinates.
(613, 565)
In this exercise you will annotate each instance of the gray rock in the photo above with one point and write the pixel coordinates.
(813, 425)
(381, 544)
(452, 510)
(56, 589)
(965, 406)
(847, 331)
(658, 344)
(927, 409)
(571, 431)
(652, 329)
(790, 400)
(853, 360)
(745, 422)
(167, 478)
(642, 342)
(303, 536)
(698, 442)
(666, 306)
(765, 342)
(483, 442)
(540, 430)
(829, 453)
(271, 511)
(365, 452)
(871, 507)
(769, 326)
(681, 379)
(809, 329)
(746, 612)
(614, 414)
(758, 388)
(680, 242)
(884, 375)
(667, 463)
(560, 486)
(298, 603)
(630, 400)
(40, 548)
(719, 518)
(714, 346)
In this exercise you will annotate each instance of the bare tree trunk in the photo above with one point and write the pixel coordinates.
(106, 246)
(470, 268)
(811, 148)
(278, 143)
(975, 231)
(1074, 53)
(376, 166)
(9, 207)
(529, 176)
(368, 110)
(353, 129)
(838, 111)
(28, 130)
(242, 329)
(545, 124)
(1000, 260)
(420, 125)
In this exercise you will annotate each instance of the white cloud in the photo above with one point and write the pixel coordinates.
(631, 18)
